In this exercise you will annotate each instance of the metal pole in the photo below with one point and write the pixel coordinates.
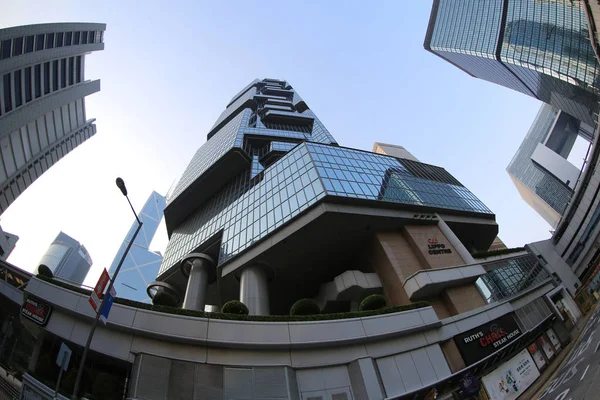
(62, 367)
(95, 324)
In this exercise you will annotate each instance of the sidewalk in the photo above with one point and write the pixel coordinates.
(550, 373)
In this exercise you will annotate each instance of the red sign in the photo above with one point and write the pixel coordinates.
(95, 296)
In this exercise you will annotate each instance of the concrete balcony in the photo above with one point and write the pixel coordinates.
(429, 282)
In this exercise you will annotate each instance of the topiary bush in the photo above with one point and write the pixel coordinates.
(44, 271)
(164, 298)
(305, 307)
(234, 307)
(372, 302)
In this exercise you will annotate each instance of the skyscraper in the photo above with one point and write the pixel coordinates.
(141, 265)
(539, 168)
(67, 259)
(42, 92)
(540, 48)
(271, 200)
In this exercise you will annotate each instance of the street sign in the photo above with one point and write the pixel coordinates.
(110, 297)
(94, 299)
(64, 356)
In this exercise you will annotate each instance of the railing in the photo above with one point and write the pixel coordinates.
(7, 391)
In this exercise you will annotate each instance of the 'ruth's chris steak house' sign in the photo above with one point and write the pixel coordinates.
(486, 339)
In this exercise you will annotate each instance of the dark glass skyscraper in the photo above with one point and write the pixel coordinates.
(540, 48)
(271, 199)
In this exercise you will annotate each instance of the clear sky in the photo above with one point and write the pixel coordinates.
(169, 69)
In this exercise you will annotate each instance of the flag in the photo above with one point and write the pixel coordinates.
(110, 297)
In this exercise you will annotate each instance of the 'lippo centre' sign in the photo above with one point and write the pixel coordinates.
(486, 339)
(434, 247)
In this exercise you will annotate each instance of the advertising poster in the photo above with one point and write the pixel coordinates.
(537, 355)
(553, 339)
(546, 347)
(511, 379)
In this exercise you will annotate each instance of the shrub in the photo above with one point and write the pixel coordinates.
(44, 271)
(305, 307)
(163, 298)
(234, 307)
(372, 302)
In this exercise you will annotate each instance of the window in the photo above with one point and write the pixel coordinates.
(7, 97)
(37, 79)
(50, 41)
(5, 52)
(18, 88)
(39, 42)
(17, 46)
(55, 74)
(68, 38)
(71, 70)
(91, 37)
(76, 40)
(83, 37)
(46, 78)
(29, 42)
(59, 39)
(78, 71)
(27, 84)
(63, 73)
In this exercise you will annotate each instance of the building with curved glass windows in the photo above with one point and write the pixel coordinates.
(272, 210)
(42, 99)
(539, 48)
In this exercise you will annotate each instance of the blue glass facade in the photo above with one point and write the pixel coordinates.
(540, 48)
(141, 265)
(292, 163)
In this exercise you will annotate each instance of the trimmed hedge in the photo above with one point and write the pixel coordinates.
(372, 302)
(492, 253)
(44, 271)
(234, 307)
(162, 298)
(238, 317)
(305, 307)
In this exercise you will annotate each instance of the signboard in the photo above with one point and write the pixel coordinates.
(110, 297)
(511, 379)
(537, 355)
(469, 384)
(64, 356)
(546, 347)
(553, 339)
(36, 310)
(96, 294)
(486, 339)
(437, 248)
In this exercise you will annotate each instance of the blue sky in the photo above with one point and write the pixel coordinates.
(169, 69)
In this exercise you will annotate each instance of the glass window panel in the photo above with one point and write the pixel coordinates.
(46, 78)
(38, 80)
(50, 40)
(84, 38)
(17, 46)
(7, 93)
(71, 70)
(55, 75)
(59, 39)
(18, 88)
(5, 51)
(39, 42)
(68, 38)
(63, 73)
(29, 43)
(76, 38)
(28, 84)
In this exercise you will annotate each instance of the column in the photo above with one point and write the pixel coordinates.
(454, 241)
(199, 268)
(254, 292)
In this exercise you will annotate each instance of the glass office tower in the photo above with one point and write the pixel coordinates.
(540, 170)
(67, 259)
(141, 265)
(42, 99)
(269, 174)
(540, 48)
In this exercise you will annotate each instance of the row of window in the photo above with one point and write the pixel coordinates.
(28, 44)
(24, 85)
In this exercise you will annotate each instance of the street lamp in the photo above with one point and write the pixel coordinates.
(121, 186)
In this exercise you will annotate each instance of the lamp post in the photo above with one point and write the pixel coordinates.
(121, 186)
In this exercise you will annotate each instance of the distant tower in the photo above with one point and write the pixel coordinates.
(67, 259)
(42, 92)
(141, 265)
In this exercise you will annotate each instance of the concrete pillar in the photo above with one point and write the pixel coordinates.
(200, 270)
(455, 241)
(254, 292)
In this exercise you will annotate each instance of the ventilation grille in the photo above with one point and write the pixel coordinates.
(208, 382)
(339, 396)
(357, 381)
(153, 378)
(181, 380)
(270, 383)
